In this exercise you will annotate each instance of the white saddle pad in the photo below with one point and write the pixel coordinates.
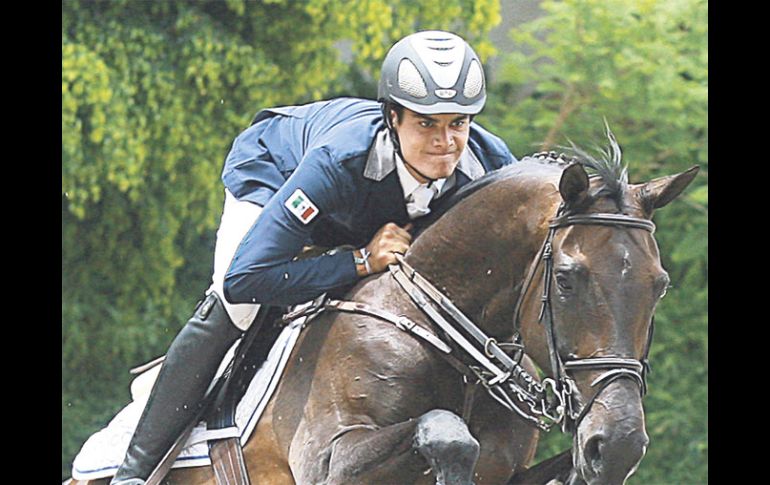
(103, 452)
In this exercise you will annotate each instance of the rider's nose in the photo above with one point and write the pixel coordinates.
(444, 138)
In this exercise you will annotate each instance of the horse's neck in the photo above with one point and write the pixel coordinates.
(479, 254)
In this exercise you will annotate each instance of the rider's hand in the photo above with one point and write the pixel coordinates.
(390, 239)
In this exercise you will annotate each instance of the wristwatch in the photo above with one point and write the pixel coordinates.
(364, 259)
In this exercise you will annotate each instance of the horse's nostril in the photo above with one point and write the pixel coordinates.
(593, 452)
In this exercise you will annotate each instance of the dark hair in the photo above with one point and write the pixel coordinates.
(388, 105)
(392, 105)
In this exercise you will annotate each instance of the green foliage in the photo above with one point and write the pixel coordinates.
(644, 67)
(153, 93)
(640, 65)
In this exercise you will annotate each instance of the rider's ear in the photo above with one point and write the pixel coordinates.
(659, 192)
(573, 185)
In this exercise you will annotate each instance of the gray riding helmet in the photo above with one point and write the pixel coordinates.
(433, 72)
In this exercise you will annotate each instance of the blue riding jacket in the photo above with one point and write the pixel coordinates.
(325, 174)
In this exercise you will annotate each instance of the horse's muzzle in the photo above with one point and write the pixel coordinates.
(611, 440)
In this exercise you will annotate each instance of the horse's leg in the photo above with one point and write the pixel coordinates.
(437, 441)
(508, 443)
(446, 443)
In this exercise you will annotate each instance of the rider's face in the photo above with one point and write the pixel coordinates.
(432, 143)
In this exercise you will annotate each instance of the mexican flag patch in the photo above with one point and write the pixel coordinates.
(300, 205)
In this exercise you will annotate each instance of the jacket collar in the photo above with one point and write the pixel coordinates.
(381, 160)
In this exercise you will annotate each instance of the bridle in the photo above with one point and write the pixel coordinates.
(556, 399)
(568, 411)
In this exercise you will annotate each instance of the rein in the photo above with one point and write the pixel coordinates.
(554, 401)
(493, 367)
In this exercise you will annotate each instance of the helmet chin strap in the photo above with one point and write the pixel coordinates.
(430, 180)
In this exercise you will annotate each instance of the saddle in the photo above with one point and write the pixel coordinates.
(493, 367)
(226, 454)
(219, 411)
(221, 403)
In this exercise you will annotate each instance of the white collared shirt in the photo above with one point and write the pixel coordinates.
(418, 195)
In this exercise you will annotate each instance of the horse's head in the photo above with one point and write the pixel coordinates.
(602, 283)
(603, 276)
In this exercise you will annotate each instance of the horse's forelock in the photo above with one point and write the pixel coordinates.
(608, 166)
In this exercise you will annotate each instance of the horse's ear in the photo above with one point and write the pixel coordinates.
(573, 185)
(659, 192)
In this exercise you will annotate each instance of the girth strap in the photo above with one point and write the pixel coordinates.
(469, 398)
(228, 462)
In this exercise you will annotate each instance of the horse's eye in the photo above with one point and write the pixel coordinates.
(563, 283)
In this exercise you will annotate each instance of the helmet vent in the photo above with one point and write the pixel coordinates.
(474, 81)
(410, 81)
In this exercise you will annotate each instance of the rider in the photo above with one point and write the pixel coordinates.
(346, 171)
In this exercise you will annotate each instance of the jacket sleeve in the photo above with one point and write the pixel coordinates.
(263, 269)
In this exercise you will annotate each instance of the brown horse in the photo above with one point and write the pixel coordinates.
(364, 402)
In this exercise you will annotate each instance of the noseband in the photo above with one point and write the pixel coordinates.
(568, 411)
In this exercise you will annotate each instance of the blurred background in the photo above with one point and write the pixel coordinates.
(153, 94)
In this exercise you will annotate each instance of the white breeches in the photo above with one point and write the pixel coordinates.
(237, 219)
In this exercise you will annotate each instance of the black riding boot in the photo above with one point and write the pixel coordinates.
(189, 367)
